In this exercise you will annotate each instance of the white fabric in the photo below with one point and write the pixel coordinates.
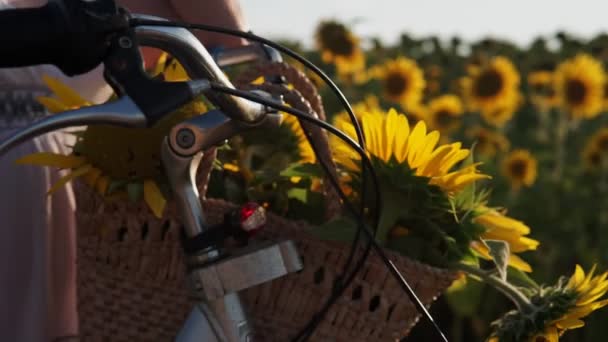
(37, 232)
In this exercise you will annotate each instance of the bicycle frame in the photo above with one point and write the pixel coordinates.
(215, 277)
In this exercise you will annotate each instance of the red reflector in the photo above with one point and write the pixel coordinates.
(253, 217)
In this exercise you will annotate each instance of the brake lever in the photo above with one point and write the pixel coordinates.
(244, 54)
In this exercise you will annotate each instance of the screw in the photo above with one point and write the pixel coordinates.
(125, 42)
(185, 138)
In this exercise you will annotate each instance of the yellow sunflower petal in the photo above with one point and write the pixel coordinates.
(516, 262)
(92, 176)
(51, 159)
(431, 167)
(175, 72)
(569, 323)
(154, 198)
(425, 153)
(416, 140)
(160, 64)
(63, 180)
(65, 94)
(51, 104)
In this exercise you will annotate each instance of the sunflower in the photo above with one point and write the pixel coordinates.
(487, 142)
(592, 158)
(115, 161)
(600, 140)
(555, 309)
(338, 45)
(520, 167)
(389, 140)
(444, 113)
(494, 85)
(307, 154)
(595, 153)
(500, 227)
(587, 290)
(502, 114)
(579, 85)
(542, 89)
(402, 80)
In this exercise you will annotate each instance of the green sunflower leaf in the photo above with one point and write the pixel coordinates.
(499, 251)
(298, 193)
(302, 170)
(521, 279)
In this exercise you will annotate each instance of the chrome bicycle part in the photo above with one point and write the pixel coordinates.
(215, 277)
(199, 64)
(122, 112)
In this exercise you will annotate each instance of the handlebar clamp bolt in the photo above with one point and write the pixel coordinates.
(125, 42)
(185, 138)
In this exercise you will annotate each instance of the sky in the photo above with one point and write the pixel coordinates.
(516, 20)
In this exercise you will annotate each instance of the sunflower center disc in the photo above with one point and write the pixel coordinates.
(518, 169)
(444, 119)
(488, 84)
(396, 84)
(575, 92)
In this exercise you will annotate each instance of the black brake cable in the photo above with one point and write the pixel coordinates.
(331, 129)
(367, 162)
(334, 88)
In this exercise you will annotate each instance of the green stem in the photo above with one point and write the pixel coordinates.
(603, 189)
(521, 301)
(560, 144)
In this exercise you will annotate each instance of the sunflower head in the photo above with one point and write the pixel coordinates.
(306, 153)
(131, 153)
(579, 85)
(487, 143)
(418, 173)
(340, 46)
(402, 81)
(116, 160)
(595, 152)
(392, 143)
(444, 113)
(493, 85)
(520, 168)
(554, 309)
(500, 115)
(542, 89)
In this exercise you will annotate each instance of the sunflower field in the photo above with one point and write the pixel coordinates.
(535, 122)
(492, 161)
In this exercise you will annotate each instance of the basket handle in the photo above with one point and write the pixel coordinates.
(303, 96)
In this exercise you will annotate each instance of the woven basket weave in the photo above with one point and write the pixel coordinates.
(132, 285)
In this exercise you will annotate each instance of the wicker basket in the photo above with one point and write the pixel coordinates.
(132, 286)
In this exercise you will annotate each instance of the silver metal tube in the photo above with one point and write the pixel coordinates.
(122, 112)
(245, 54)
(228, 319)
(199, 64)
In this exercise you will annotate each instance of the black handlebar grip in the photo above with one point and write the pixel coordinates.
(70, 34)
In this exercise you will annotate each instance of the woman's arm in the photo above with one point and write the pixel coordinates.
(224, 13)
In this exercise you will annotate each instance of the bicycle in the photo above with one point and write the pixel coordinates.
(99, 31)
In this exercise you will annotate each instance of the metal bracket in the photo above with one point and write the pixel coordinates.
(248, 267)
